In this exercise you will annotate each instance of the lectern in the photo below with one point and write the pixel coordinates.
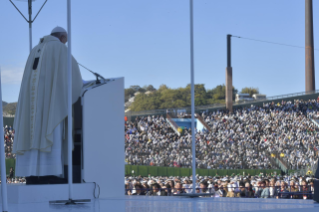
(99, 140)
(98, 155)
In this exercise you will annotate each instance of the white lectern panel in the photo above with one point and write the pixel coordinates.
(103, 137)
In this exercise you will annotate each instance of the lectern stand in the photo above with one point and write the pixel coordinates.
(98, 156)
(103, 138)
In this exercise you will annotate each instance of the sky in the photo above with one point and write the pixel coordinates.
(147, 41)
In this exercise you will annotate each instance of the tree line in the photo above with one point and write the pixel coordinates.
(149, 98)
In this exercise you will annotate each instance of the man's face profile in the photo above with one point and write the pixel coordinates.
(64, 38)
(155, 189)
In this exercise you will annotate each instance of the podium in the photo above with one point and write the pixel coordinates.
(103, 137)
(98, 155)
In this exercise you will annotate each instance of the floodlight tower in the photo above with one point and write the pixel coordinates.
(309, 60)
(229, 77)
(30, 21)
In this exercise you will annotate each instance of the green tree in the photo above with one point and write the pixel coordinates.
(146, 102)
(150, 88)
(166, 97)
(250, 91)
(138, 88)
(162, 88)
(200, 94)
(10, 108)
(218, 94)
(172, 98)
(135, 87)
(129, 92)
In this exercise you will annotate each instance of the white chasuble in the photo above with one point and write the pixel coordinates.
(42, 109)
(37, 163)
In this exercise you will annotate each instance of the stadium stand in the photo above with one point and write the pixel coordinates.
(268, 136)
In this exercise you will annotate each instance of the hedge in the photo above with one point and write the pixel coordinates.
(173, 171)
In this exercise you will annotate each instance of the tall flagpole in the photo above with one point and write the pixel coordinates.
(70, 177)
(2, 158)
(192, 94)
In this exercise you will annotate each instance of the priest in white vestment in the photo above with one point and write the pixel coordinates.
(40, 132)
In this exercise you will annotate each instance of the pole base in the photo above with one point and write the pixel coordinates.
(191, 195)
(70, 201)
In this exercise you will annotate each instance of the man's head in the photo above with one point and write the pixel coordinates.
(304, 183)
(203, 185)
(151, 182)
(178, 186)
(267, 182)
(138, 188)
(247, 184)
(242, 187)
(155, 187)
(60, 33)
(311, 183)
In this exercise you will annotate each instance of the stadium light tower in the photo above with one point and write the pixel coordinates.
(309, 60)
(30, 21)
(229, 77)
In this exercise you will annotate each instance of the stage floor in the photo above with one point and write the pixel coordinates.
(173, 204)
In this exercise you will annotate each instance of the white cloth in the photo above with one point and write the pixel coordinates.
(43, 99)
(37, 163)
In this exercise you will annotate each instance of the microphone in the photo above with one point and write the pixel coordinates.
(95, 74)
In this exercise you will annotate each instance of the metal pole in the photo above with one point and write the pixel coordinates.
(70, 177)
(309, 54)
(30, 23)
(2, 159)
(192, 95)
(229, 50)
(229, 77)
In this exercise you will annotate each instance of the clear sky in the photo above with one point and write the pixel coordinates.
(147, 41)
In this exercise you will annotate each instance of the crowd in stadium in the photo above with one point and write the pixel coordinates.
(247, 138)
(8, 141)
(272, 186)
(16, 180)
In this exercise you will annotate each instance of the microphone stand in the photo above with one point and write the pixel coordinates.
(95, 74)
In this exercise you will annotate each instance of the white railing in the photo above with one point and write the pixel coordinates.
(173, 127)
